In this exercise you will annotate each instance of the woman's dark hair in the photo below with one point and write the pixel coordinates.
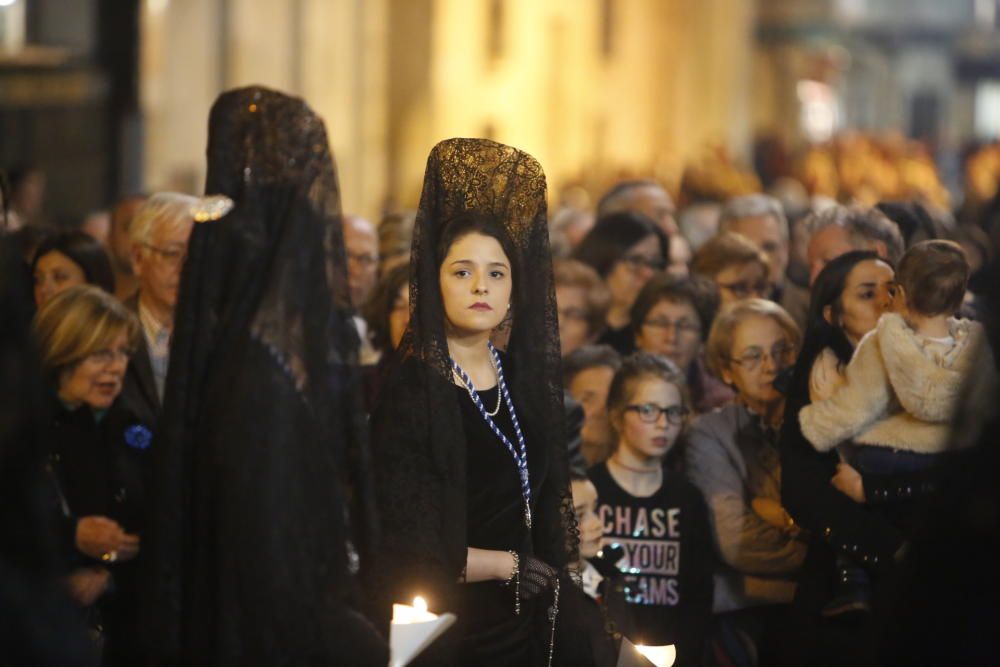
(85, 251)
(589, 356)
(827, 291)
(472, 222)
(613, 235)
(376, 312)
(700, 293)
(820, 334)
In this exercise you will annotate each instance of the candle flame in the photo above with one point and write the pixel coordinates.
(419, 604)
(661, 656)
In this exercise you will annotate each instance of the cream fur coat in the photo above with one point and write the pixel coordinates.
(901, 390)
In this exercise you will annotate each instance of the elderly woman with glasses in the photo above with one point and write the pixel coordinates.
(732, 457)
(626, 250)
(97, 455)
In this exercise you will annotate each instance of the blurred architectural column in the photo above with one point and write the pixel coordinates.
(182, 47)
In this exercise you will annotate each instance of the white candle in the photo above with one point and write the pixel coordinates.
(417, 613)
(661, 656)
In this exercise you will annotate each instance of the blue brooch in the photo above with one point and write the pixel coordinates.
(138, 436)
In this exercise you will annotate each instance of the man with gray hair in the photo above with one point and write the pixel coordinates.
(159, 234)
(761, 219)
(840, 229)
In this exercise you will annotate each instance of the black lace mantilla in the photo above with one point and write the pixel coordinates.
(260, 455)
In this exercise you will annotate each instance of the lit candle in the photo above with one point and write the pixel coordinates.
(417, 613)
(413, 629)
(661, 656)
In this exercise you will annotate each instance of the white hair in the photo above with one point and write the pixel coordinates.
(753, 206)
(162, 208)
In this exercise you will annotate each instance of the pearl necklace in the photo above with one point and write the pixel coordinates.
(520, 453)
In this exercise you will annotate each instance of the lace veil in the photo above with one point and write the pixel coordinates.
(260, 452)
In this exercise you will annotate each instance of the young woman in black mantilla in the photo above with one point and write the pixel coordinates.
(472, 481)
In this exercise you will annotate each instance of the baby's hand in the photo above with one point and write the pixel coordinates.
(848, 481)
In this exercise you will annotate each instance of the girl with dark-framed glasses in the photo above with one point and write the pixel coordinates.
(654, 515)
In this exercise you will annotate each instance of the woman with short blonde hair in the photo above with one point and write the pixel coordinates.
(78, 322)
(97, 458)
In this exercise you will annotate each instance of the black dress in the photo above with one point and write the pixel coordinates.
(492, 633)
(100, 464)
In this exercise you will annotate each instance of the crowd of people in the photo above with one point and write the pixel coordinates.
(253, 423)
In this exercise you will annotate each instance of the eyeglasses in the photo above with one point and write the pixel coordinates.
(638, 263)
(108, 356)
(650, 413)
(573, 314)
(172, 256)
(362, 259)
(745, 288)
(780, 355)
(680, 326)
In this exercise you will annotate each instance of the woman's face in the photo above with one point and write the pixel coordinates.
(55, 272)
(585, 504)
(742, 281)
(399, 316)
(633, 270)
(96, 380)
(476, 284)
(646, 439)
(671, 329)
(760, 351)
(574, 332)
(868, 292)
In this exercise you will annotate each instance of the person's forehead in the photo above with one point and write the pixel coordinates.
(757, 225)
(651, 195)
(870, 271)
(757, 329)
(594, 377)
(568, 293)
(172, 230)
(680, 307)
(646, 387)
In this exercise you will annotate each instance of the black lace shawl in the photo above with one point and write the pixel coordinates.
(260, 441)
(418, 442)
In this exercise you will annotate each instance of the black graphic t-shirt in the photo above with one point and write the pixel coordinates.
(668, 559)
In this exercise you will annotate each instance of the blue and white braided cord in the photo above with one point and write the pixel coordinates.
(520, 455)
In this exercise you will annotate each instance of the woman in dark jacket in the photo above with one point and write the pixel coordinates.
(828, 497)
(96, 459)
